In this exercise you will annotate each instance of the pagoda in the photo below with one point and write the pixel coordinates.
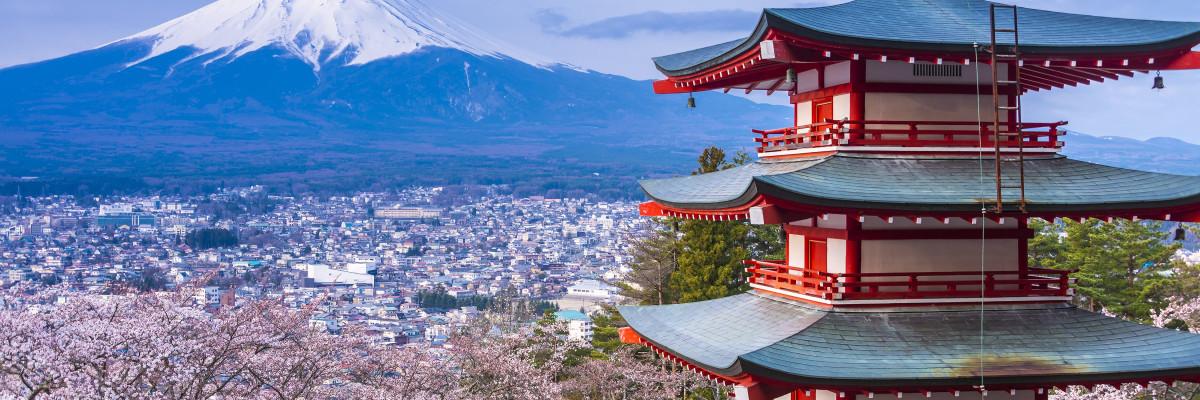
(904, 188)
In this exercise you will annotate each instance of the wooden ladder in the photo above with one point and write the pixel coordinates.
(1008, 56)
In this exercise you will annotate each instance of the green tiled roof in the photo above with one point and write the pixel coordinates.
(1022, 344)
(945, 25)
(915, 183)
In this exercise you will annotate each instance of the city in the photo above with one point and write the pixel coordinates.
(627, 200)
(376, 255)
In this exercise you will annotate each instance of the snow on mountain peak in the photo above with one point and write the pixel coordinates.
(318, 31)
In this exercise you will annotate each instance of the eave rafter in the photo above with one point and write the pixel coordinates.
(776, 210)
(760, 67)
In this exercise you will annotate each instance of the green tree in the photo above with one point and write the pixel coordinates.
(712, 159)
(710, 261)
(1124, 266)
(709, 264)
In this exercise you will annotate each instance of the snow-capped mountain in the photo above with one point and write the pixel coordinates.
(297, 83)
(319, 31)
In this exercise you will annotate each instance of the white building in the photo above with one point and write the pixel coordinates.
(407, 213)
(322, 274)
(591, 288)
(579, 325)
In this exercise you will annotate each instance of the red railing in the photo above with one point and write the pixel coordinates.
(908, 134)
(1036, 282)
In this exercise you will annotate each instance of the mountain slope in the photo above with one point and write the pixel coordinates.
(307, 89)
(318, 31)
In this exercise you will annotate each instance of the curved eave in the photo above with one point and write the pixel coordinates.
(706, 59)
(966, 383)
(1032, 345)
(1056, 187)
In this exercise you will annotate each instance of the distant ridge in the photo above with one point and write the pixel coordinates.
(1160, 154)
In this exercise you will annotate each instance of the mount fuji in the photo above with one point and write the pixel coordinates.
(374, 92)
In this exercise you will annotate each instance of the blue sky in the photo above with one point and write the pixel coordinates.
(619, 36)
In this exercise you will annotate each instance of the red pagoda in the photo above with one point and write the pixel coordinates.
(904, 188)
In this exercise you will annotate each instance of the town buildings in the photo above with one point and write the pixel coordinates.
(364, 270)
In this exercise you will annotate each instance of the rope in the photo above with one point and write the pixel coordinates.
(982, 213)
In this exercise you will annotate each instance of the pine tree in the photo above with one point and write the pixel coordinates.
(1123, 265)
(711, 253)
(710, 260)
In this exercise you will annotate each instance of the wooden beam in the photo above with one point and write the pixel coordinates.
(1048, 84)
(1050, 77)
(776, 86)
(752, 86)
(1190, 60)
(1081, 73)
(1100, 72)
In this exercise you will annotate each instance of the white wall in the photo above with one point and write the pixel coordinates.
(930, 255)
(807, 81)
(900, 71)
(837, 74)
(795, 250)
(841, 106)
(836, 257)
(804, 113)
(929, 107)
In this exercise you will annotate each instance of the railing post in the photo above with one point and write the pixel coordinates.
(1063, 283)
(989, 283)
(912, 284)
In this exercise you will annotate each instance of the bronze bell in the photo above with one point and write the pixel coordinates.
(1180, 233)
(691, 101)
(1158, 83)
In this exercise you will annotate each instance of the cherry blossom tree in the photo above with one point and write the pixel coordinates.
(58, 345)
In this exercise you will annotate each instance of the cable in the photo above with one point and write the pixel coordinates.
(983, 215)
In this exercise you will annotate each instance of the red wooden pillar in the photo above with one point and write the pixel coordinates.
(858, 96)
(853, 246)
(1023, 235)
(1041, 394)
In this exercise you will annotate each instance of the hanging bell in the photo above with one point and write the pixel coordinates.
(791, 76)
(1180, 233)
(691, 101)
(1158, 83)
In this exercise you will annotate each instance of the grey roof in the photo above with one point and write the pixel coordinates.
(945, 25)
(1050, 344)
(718, 338)
(928, 183)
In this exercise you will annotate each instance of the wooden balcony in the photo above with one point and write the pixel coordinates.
(1008, 286)
(908, 136)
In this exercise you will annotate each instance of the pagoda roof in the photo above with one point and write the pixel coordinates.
(950, 184)
(792, 342)
(941, 26)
